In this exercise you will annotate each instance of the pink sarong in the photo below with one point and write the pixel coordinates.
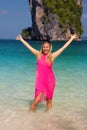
(45, 79)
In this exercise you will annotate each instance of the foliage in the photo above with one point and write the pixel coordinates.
(68, 12)
(26, 33)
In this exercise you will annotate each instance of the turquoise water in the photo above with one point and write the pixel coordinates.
(17, 77)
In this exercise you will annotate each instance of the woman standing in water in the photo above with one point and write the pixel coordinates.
(45, 79)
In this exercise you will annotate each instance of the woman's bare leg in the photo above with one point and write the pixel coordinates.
(49, 104)
(35, 102)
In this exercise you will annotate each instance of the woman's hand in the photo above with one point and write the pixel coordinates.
(74, 36)
(19, 37)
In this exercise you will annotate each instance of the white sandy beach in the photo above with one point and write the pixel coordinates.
(18, 118)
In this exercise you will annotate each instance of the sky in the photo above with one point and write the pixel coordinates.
(15, 16)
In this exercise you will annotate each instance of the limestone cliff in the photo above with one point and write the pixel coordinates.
(45, 25)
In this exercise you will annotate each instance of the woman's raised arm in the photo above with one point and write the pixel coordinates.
(34, 51)
(59, 51)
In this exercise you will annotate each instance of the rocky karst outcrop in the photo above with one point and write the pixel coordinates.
(45, 25)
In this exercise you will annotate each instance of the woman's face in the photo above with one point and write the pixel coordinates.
(45, 48)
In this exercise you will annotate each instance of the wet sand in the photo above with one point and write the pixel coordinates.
(23, 119)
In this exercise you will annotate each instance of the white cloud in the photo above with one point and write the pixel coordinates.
(84, 16)
(3, 11)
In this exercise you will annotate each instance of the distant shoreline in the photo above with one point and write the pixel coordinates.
(83, 38)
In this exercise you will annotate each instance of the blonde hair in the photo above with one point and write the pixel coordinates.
(49, 55)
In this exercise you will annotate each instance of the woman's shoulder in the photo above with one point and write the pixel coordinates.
(39, 55)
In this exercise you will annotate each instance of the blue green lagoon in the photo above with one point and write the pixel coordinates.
(17, 81)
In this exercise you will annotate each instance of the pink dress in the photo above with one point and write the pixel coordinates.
(45, 79)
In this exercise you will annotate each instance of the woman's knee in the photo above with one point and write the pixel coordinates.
(49, 101)
(38, 98)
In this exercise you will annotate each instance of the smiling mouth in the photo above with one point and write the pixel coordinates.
(45, 51)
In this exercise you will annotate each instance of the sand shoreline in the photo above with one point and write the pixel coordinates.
(23, 119)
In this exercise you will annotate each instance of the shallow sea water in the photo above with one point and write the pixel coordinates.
(17, 77)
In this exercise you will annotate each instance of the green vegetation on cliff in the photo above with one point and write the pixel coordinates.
(26, 33)
(68, 11)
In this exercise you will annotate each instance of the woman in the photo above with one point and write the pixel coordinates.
(45, 79)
